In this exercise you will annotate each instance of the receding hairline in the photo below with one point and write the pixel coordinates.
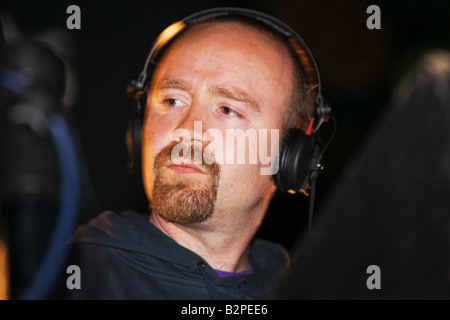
(302, 98)
(299, 108)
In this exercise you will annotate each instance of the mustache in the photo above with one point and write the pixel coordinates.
(195, 156)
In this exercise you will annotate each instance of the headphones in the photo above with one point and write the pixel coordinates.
(300, 158)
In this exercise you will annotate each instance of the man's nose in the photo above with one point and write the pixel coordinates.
(195, 121)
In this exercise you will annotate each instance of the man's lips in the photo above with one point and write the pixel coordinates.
(185, 168)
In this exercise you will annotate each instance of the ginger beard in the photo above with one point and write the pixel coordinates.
(182, 198)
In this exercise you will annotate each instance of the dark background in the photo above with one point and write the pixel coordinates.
(360, 69)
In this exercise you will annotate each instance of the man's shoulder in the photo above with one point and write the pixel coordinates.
(108, 224)
(112, 218)
(128, 232)
(269, 255)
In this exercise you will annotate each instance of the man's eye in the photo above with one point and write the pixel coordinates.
(229, 112)
(173, 103)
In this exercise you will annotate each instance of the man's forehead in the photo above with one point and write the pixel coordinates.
(262, 69)
(235, 39)
(234, 29)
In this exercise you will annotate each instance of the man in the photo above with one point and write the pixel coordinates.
(197, 242)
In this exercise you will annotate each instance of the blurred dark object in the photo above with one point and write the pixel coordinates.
(391, 208)
(2, 36)
(32, 84)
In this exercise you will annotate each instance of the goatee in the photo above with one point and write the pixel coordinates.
(184, 199)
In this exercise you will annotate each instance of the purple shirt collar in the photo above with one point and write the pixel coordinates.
(223, 274)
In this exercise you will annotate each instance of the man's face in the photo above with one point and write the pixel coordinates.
(210, 83)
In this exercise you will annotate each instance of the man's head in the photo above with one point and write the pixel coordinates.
(222, 76)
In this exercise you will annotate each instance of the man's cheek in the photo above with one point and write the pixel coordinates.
(269, 149)
(239, 177)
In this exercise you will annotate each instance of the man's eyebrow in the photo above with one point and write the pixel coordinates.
(223, 91)
(174, 84)
(235, 94)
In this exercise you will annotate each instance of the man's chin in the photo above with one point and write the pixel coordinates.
(185, 193)
(184, 204)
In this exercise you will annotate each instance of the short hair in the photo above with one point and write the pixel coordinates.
(303, 96)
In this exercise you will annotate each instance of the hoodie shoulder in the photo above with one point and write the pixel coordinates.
(267, 255)
(130, 231)
(122, 230)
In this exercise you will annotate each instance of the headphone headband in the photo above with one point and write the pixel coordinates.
(296, 42)
(300, 156)
(321, 110)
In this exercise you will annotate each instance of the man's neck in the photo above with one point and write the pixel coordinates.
(224, 248)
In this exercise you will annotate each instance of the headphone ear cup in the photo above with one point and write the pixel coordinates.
(294, 161)
(134, 139)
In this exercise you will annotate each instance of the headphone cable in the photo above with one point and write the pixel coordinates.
(311, 204)
(315, 175)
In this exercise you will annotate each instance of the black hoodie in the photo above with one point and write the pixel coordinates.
(123, 256)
